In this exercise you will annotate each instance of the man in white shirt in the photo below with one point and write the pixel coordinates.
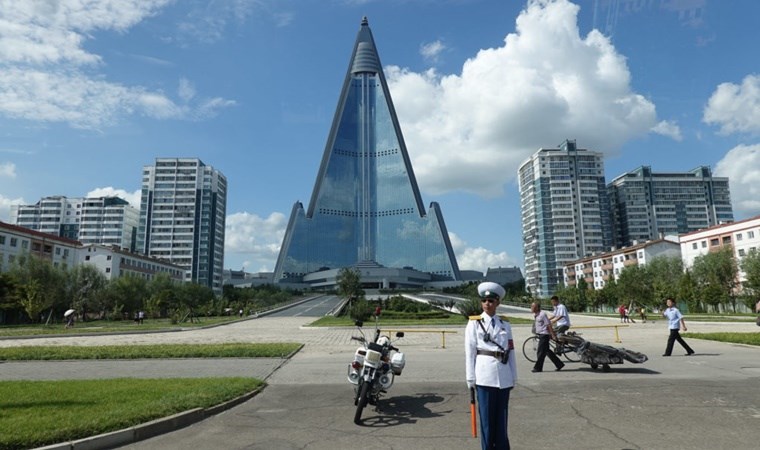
(560, 316)
(490, 366)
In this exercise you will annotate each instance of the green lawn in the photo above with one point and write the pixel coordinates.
(231, 350)
(736, 338)
(111, 326)
(37, 413)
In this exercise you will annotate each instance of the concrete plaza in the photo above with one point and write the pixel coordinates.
(710, 400)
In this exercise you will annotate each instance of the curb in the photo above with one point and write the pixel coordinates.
(150, 429)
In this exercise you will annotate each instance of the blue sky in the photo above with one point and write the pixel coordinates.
(91, 91)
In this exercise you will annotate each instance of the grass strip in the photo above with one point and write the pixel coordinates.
(111, 326)
(330, 321)
(231, 350)
(736, 338)
(37, 413)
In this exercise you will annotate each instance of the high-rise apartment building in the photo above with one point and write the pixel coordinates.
(109, 221)
(366, 210)
(646, 205)
(564, 212)
(182, 217)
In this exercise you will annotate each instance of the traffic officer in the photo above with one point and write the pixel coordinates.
(490, 366)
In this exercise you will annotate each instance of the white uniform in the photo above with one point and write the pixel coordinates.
(485, 370)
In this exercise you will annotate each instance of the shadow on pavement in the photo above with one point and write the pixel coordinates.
(402, 410)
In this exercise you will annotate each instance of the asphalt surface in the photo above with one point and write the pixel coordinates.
(706, 401)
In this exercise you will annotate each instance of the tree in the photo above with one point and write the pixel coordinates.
(162, 296)
(38, 285)
(349, 283)
(634, 286)
(750, 265)
(194, 296)
(665, 274)
(688, 291)
(84, 287)
(124, 294)
(716, 275)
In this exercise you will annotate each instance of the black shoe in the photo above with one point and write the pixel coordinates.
(559, 368)
(689, 354)
(535, 371)
(665, 354)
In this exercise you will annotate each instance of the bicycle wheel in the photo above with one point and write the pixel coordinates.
(530, 348)
(568, 352)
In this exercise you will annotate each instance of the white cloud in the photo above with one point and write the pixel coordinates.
(478, 258)
(132, 197)
(47, 75)
(544, 85)
(432, 50)
(5, 207)
(742, 167)
(8, 170)
(669, 129)
(257, 239)
(735, 108)
(186, 90)
(206, 22)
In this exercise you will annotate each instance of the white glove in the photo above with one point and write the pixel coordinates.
(470, 384)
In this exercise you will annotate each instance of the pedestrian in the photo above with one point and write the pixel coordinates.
(621, 311)
(490, 367)
(141, 316)
(241, 312)
(545, 332)
(560, 315)
(675, 323)
(643, 314)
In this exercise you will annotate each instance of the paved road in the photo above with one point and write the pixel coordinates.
(711, 400)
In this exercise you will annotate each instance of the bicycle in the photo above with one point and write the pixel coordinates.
(566, 349)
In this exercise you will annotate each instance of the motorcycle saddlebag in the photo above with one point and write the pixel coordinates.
(397, 363)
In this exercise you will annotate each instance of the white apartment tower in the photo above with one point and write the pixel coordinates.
(646, 205)
(109, 221)
(182, 217)
(564, 212)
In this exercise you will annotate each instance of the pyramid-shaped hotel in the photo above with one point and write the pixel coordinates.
(366, 210)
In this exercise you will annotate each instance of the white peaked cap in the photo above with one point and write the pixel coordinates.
(489, 289)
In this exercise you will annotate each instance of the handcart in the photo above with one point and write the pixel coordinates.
(597, 355)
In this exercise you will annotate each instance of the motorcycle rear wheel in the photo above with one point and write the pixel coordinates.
(363, 399)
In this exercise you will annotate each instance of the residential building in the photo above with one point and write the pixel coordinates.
(16, 240)
(182, 217)
(598, 269)
(114, 263)
(742, 237)
(366, 210)
(645, 205)
(564, 212)
(93, 220)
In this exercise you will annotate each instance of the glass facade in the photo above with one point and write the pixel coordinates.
(366, 205)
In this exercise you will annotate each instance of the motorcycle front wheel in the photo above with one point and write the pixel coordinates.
(363, 399)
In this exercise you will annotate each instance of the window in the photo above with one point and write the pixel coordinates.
(714, 242)
(25, 244)
(108, 270)
(2, 240)
(738, 236)
(87, 258)
(704, 244)
(14, 242)
(750, 234)
(694, 246)
(741, 252)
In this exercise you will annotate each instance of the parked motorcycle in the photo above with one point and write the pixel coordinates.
(376, 363)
